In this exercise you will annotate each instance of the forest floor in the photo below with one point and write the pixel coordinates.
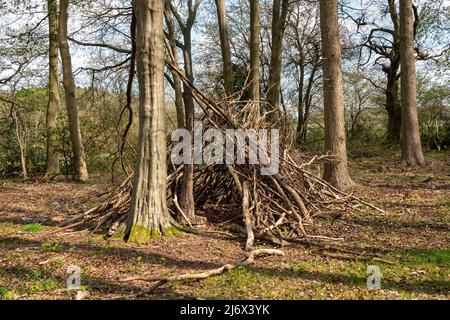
(412, 243)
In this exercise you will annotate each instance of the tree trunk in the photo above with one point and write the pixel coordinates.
(81, 173)
(335, 172)
(254, 50)
(148, 214)
(225, 47)
(410, 142)
(175, 77)
(392, 100)
(20, 142)
(301, 101)
(393, 106)
(280, 8)
(187, 203)
(53, 86)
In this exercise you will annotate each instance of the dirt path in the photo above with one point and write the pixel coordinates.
(411, 245)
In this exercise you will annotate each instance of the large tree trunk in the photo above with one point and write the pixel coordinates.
(254, 50)
(148, 211)
(280, 8)
(335, 172)
(176, 81)
(410, 142)
(225, 47)
(81, 173)
(53, 86)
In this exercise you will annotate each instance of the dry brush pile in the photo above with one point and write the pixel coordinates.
(281, 207)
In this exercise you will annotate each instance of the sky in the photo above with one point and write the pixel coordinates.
(84, 57)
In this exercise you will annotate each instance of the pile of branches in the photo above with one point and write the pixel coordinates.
(279, 207)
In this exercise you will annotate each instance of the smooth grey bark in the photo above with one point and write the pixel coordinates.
(148, 213)
(336, 172)
(225, 47)
(53, 106)
(411, 145)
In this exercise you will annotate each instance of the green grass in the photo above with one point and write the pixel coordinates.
(39, 281)
(415, 273)
(437, 154)
(429, 257)
(33, 227)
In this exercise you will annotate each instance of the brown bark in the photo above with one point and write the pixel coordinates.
(335, 172)
(254, 50)
(53, 99)
(280, 8)
(225, 47)
(81, 172)
(392, 91)
(393, 104)
(148, 213)
(410, 142)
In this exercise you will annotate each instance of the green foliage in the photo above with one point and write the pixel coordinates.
(33, 227)
(99, 112)
(52, 246)
(39, 281)
(6, 294)
(434, 115)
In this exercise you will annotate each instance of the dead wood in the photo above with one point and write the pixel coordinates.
(160, 281)
(280, 207)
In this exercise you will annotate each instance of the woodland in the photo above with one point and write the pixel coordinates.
(224, 149)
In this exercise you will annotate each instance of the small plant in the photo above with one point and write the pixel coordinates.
(57, 262)
(6, 294)
(52, 246)
(40, 282)
(139, 262)
(33, 227)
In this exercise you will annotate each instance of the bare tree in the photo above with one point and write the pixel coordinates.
(410, 142)
(175, 81)
(254, 50)
(384, 41)
(280, 9)
(81, 172)
(20, 136)
(187, 186)
(148, 213)
(53, 85)
(304, 55)
(336, 172)
(225, 47)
